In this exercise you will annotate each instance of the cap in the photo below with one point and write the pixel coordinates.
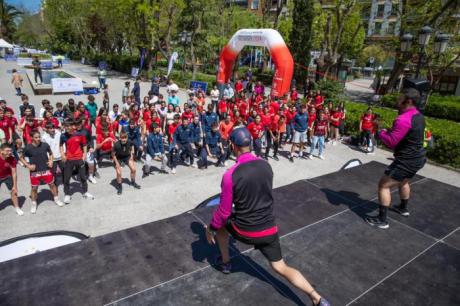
(241, 137)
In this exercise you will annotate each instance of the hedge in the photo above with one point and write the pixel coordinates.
(446, 133)
(443, 107)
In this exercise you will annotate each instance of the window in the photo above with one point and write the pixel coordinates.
(395, 9)
(391, 28)
(380, 10)
(447, 85)
(377, 28)
(254, 4)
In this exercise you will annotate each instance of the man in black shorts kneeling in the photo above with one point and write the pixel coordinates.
(248, 185)
(123, 154)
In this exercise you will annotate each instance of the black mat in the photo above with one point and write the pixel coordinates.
(436, 271)
(322, 234)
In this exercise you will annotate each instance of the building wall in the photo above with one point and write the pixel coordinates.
(383, 18)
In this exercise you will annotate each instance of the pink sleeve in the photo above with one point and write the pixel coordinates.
(224, 210)
(400, 128)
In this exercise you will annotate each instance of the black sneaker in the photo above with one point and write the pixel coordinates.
(291, 159)
(375, 221)
(119, 190)
(276, 158)
(145, 174)
(135, 185)
(402, 211)
(225, 268)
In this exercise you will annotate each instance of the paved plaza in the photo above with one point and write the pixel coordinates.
(161, 196)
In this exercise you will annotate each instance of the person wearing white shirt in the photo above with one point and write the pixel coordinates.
(52, 137)
(215, 93)
(114, 113)
(228, 92)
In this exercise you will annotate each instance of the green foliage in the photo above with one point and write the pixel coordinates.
(8, 18)
(375, 51)
(446, 134)
(331, 89)
(300, 36)
(40, 55)
(442, 107)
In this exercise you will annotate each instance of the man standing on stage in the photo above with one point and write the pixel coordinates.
(406, 139)
(252, 221)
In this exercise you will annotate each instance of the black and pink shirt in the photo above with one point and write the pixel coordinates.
(247, 185)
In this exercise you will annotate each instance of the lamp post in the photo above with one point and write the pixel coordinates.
(185, 38)
(440, 43)
(423, 40)
(406, 42)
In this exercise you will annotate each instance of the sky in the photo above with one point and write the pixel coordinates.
(31, 5)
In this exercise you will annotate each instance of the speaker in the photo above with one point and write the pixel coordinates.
(423, 86)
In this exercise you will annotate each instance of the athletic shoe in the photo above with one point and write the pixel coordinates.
(88, 196)
(291, 158)
(92, 179)
(59, 203)
(194, 165)
(164, 171)
(310, 156)
(203, 167)
(375, 221)
(402, 211)
(119, 190)
(220, 165)
(225, 163)
(67, 199)
(276, 158)
(145, 174)
(224, 268)
(97, 175)
(33, 209)
(19, 212)
(173, 171)
(321, 157)
(135, 185)
(323, 302)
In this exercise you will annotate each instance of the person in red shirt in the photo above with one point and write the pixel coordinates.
(243, 107)
(319, 100)
(8, 174)
(273, 137)
(172, 128)
(29, 124)
(48, 117)
(148, 128)
(294, 94)
(320, 130)
(187, 114)
(222, 109)
(335, 120)
(265, 118)
(225, 129)
(239, 86)
(6, 127)
(290, 114)
(274, 106)
(311, 120)
(104, 144)
(73, 148)
(256, 129)
(367, 128)
(103, 119)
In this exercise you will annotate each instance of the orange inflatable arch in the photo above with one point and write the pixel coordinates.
(272, 40)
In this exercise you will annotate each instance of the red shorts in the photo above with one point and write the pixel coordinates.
(42, 177)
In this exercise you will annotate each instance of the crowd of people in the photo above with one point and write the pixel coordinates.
(73, 140)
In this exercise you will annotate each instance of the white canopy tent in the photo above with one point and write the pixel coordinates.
(4, 45)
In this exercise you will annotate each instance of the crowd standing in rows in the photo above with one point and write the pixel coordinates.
(74, 139)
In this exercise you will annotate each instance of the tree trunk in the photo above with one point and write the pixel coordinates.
(194, 61)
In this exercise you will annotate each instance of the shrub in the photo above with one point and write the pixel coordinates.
(331, 89)
(446, 133)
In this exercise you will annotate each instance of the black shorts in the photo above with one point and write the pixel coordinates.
(123, 161)
(268, 245)
(400, 170)
(8, 182)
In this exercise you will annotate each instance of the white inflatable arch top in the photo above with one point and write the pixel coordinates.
(272, 40)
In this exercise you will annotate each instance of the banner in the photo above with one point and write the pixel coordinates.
(10, 58)
(199, 85)
(23, 61)
(46, 64)
(172, 60)
(66, 85)
(143, 53)
(102, 65)
(134, 72)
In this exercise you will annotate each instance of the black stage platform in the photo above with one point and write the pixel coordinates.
(415, 262)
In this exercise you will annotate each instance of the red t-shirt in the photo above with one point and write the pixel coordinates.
(336, 115)
(171, 129)
(255, 129)
(289, 116)
(225, 129)
(274, 107)
(311, 119)
(27, 129)
(53, 120)
(13, 122)
(107, 146)
(6, 165)
(74, 144)
(188, 115)
(265, 119)
(319, 100)
(243, 107)
(146, 114)
(222, 106)
(320, 127)
(149, 122)
(367, 122)
(294, 95)
(5, 126)
(274, 125)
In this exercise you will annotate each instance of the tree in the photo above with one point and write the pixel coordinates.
(300, 37)
(8, 16)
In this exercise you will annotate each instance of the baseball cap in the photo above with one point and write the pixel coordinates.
(241, 137)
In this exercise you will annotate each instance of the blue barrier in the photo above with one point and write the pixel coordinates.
(197, 85)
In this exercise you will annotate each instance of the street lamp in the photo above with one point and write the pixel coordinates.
(424, 36)
(406, 42)
(185, 38)
(440, 43)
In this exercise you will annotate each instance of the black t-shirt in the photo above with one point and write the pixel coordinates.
(36, 64)
(122, 151)
(38, 156)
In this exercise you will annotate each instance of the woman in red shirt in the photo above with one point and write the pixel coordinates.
(335, 120)
(319, 100)
(222, 108)
(48, 117)
(256, 129)
(311, 120)
(290, 114)
(366, 128)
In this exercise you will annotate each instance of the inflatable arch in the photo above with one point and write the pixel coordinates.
(281, 57)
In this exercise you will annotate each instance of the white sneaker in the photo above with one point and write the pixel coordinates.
(310, 156)
(33, 209)
(321, 157)
(67, 199)
(19, 211)
(226, 163)
(88, 196)
(194, 165)
(173, 171)
(92, 179)
(59, 203)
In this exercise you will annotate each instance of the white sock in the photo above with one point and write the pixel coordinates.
(34, 203)
(56, 198)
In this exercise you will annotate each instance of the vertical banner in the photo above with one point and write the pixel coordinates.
(172, 60)
(143, 53)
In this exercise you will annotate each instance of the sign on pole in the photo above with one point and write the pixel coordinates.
(66, 85)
